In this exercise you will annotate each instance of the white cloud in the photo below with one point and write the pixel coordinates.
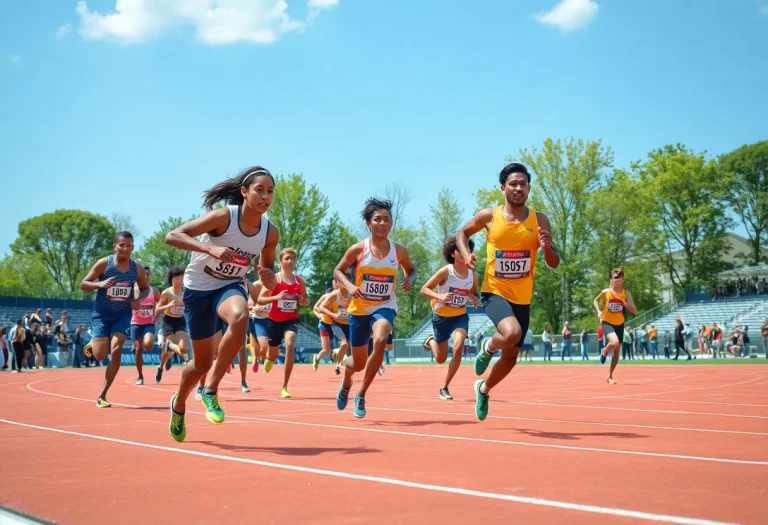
(14, 59)
(764, 10)
(323, 4)
(570, 15)
(216, 22)
(63, 31)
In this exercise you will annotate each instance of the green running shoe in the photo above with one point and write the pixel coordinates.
(483, 358)
(177, 427)
(481, 405)
(213, 410)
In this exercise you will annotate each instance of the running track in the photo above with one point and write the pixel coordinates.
(672, 444)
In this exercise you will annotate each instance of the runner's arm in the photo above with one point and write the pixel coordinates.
(481, 220)
(439, 277)
(90, 282)
(545, 240)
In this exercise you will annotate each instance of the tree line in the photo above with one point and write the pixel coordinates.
(675, 201)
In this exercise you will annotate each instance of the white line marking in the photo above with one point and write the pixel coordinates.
(463, 438)
(391, 481)
(469, 414)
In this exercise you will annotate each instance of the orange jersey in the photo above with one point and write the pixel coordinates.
(511, 256)
(613, 311)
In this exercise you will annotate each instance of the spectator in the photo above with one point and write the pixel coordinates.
(600, 339)
(37, 316)
(745, 340)
(528, 345)
(25, 319)
(654, 341)
(39, 345)
(642, 341)
(18, 337)
(667, 343)
(567, 334)
(546, 340)
(584, 344)
(4, 345)
(79, 345)
(626, 345)
(49, 319)
(680, 331)
(764, 335)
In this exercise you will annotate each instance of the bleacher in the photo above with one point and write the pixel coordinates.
(723, 312)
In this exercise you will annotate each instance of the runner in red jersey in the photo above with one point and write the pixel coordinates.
(288, 295)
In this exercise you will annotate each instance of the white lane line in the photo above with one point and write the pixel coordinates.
(665, 518)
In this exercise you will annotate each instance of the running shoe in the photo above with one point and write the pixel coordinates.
(103, 403)
(342, 397)
(213, 411)
(285, 394)
(444, 394)
(244, 388)
(483, 358)
(177, 427)
(315, 362)
(481, 405)
(359, 411)
(199, 394)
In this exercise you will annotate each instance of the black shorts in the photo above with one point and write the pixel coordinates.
(276, 330)
(497, 309)
(172, 325)
(617, 329)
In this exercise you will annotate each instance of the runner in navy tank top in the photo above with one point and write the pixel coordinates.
(231, 239)
(112, 278)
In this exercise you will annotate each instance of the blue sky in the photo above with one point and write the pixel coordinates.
(138, 107)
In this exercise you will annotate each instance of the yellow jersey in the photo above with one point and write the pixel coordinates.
(339, 306)
(511, 253)
(377, 278)
(613, 311)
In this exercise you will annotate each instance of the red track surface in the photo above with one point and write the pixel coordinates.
(674, 443)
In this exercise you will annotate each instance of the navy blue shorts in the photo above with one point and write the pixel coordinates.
(276, 330)
(105, 325)
(139, 330)
(361, 326)
(443, 327)
(257, 327)
(341, 331)
(201, 309)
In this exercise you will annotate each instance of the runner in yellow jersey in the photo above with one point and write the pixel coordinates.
(331, 309)
(611, 316)
(515, 233)
(373, 306)
(456, 285)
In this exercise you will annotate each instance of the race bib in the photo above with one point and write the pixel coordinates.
(378, 287)
(119, 291)
(230, 270)
(458, 297)
(177, 310)
(513, 265)
(145, 311)
(615, 306)
(343, 314)
(288, 305)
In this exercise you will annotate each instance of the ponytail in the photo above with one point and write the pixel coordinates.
(229, 190)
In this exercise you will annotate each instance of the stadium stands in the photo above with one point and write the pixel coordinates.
(724, 312)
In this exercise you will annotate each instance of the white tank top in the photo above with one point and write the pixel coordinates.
(460, 289)
(208, 273)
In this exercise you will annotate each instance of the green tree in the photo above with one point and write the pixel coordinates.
(412, 306)
(565, 174)
(333, 240)
(689, 203)
(747, 169)
(297, 211)
(67, 242)
(124, 222)
(25, 275)
(159, 256)
(445, 218)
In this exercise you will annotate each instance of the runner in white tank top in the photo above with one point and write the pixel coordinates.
(456, 285)
(174, 326)
(231, 240)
